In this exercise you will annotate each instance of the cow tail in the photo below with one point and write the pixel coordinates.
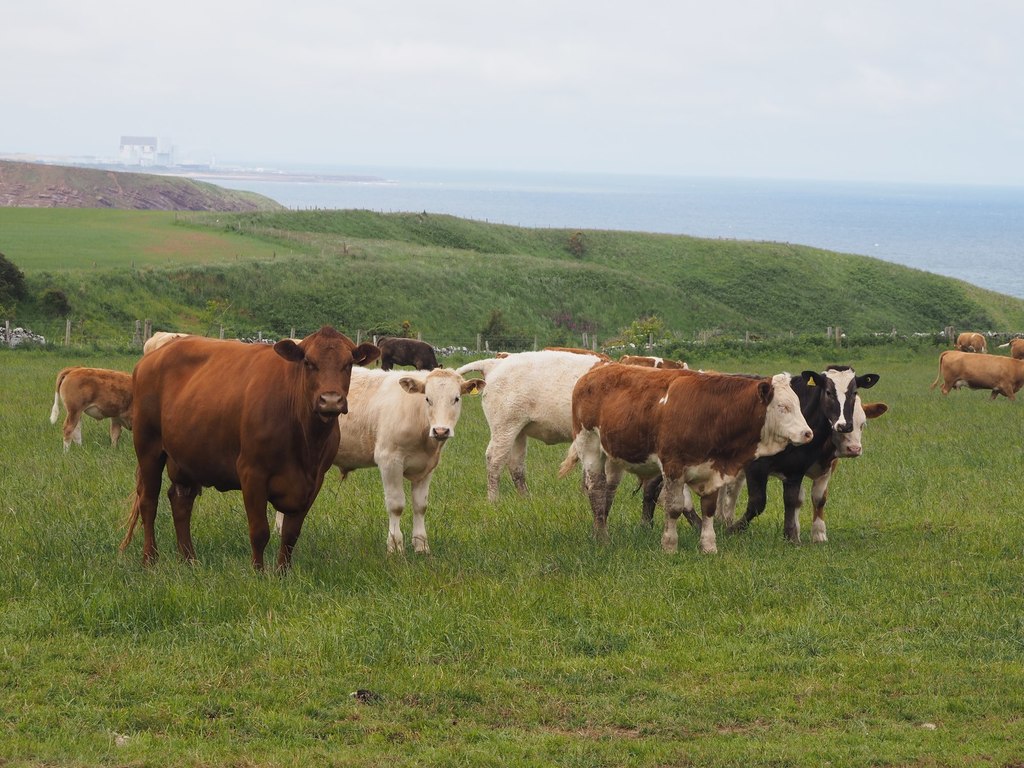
(571, 460)
(133, 516)
(937, 378)
(479, 366)
(55, 411)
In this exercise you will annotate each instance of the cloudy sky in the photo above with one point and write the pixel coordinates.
(893, 90)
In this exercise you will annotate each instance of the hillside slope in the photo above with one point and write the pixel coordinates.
(35, 185)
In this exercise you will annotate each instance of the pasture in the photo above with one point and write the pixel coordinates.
(521, 641)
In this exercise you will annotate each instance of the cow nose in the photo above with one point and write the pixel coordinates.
(806, 436)
(331, 403)
(853, 450)
(441, 433)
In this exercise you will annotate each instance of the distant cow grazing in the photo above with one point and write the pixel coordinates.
(579, 351)
(399, 422)
(96, 392)
(159, 339)
(252, 417)
(696, 429)
(1016, 348)
(1003, 375)
(832, 408)
(653, 362)
(529, 394)
(971, 342)
(397, 351)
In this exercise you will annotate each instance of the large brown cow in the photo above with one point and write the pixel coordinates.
(971, 342)
(98, 392)
(696, 429)
(1003, 375)
(252, 417)
(399, 351)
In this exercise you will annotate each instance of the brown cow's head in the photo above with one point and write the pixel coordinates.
(326, 358)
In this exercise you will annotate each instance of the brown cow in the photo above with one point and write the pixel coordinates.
(399, 351)
(252, 417)
(1003, 375)
(971, 342)
(650, 361)
(1016, 348)
(97, 392)
(696, 429)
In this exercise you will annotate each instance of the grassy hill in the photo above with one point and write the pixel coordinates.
(35, 185)
(451, 278)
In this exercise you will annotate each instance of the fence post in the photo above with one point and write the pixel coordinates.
(7, 332)
(222, 331)
(534, 343)
(67, 333)
(293, 333)
(478, 342)
(137, 336)
(147, 330)
(359, 336)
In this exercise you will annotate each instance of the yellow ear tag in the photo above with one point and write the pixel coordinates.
(474, 389)
(810, 383)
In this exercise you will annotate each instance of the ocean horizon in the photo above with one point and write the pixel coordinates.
(971, 233)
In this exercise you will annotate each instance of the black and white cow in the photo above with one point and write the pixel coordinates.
(832, 409)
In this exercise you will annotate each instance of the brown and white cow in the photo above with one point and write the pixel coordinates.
(399, 422)
(159, 339)
(1016, 348)
(529, 394)
(650, 361)
(971, 342)
(696, 429)
(252, 417)
(1003, 375)
(97, 392)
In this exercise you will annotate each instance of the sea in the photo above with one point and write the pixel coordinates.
(972, 233)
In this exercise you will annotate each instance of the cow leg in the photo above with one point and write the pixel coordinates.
(595, 484)
(708, 502)
(819, 495)
(651, 487)
(517, 463)
(115, 431)
(72, 428)
(182, 497)
(420, 492)
(290, 527)
(793, 500)
(757, 499)
(254, 496)
(147, 494)
(394, 500)
(499, 451)
(728, 495)
(612, 478)
(689, 511)
(672, 499)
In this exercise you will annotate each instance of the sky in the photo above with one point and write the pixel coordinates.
(875, 90)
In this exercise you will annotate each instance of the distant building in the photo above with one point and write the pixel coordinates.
(146, 150)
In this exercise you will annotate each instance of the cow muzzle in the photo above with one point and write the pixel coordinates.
(803, 437)
(330, 405)
(440, 433)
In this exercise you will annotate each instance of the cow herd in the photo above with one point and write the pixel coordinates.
(271, 420)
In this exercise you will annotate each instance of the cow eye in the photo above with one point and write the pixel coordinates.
(456, 398)
(429, 401)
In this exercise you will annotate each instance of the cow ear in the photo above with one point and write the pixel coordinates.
(365, 354)
(813, 378)
(412, 386)
(874, 410)
(867, 381)
(290, 351)
(473, 386)
(765, 390)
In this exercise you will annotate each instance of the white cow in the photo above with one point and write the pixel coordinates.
(398, 421)
(529, 394)
(159, 339)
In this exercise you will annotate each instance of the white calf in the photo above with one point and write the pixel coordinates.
(529, 394)
(398, 421)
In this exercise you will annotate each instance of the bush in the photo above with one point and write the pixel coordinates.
(12, 281)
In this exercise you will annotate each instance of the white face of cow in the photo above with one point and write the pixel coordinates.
(848, 444)
(784, 424)
(442, 393)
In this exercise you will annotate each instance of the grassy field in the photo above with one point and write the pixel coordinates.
(520, 641)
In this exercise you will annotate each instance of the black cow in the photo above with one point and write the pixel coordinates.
(832, 409)
(397, 351)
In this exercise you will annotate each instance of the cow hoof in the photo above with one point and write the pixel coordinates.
(670, 547)
(709, 549)
(818, 535)
(395, 545)
(818, 538)
(420, 545)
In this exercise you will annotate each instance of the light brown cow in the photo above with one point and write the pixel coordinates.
(252, 417)
(649, 361)
(1003, 375)
(971, 342)
(696, 429)
(1016, 348)
(159, 339)
(579, 351)
(98, 392)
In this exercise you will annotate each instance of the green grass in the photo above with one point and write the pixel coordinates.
(446, 277)
(520, 641)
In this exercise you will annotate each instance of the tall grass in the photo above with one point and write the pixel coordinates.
(521, 641)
